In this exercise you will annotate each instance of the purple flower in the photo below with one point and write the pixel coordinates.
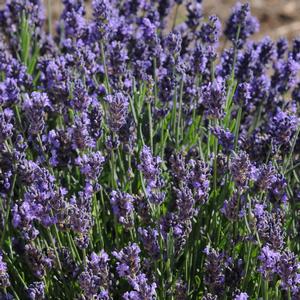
(55, 76)
(102, 12)
(128, 261)
(266, 53)
(214, 277)
(259, 91)
(118, 58)
(213, 98)
(35, 107)
(296, 50)
(79, 215)
(33, 9)
(194, 14)
(181, 292)
(178, 166)
(282, 127)
(73, 18)
(6, 124)
(95, 115)
(224, 68)
(242, 94)
(142, 290)
(241, 296)
(282, 46)
(122, 205)
(118, 110)
(200, 59)
(149, 166)
(37, 261)
(246, 63)
(39, 199)
(149, 239)
(232, 208)
(185, 203)
(36, 290)
(198, 179)
(210, 31)
(173, 43)
(285, 75)
(240, 24)
(269, 226)
(128, 136)
(164, 7)
(80, 98)
(225, 138)
(9, 92)
(95, 277)
(4, 277)
(147, 33)
(91, 164)
(241, 169)
(277, 193)
(265, 177)
(268, 259)
(288, 271)
(80, 133)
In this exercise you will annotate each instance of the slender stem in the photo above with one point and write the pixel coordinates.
(266, 289)
(54, 248)
(179, 112)
(237, 127)
(105, 67)
(150, 125)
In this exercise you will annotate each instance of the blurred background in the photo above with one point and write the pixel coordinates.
(277, 17)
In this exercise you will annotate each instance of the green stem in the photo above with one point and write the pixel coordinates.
(150, 125)
(179, 112)
(237, 127)
(265, 289)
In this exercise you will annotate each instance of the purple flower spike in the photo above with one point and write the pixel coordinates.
(142, 289)
(268, 259)
(241, 169)
(91, 165)
(94, 280)
(210, 31)
(122, 205)
(213, 98)
(36, 290)
(4, 277)
(149, 167)
(225, 138)
(241, 24)
(214, 277)
(128, 261)
(241, 296)
(118, 110)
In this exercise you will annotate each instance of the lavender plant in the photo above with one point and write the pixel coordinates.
(140, 160)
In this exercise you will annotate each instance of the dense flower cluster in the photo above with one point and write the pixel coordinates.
(141, 159)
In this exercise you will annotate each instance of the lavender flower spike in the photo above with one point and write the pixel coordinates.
(128, 261)
(4, 277)
(118, 110)
(213, 98)
(241, 296)
(122, 205)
